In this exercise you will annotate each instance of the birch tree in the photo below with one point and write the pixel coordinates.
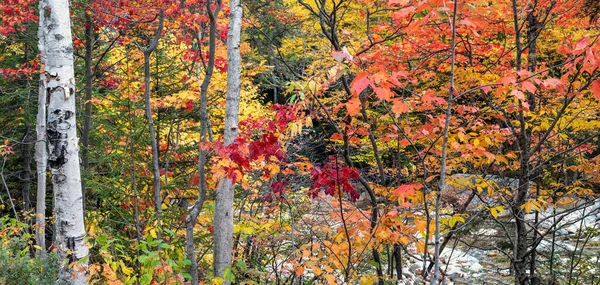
(58, 80)
(223, 219)
(41, 155)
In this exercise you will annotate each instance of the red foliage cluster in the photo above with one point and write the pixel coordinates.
(284, 114)
(267, 145)
(333, 177)
(277, 189)
(15, 14)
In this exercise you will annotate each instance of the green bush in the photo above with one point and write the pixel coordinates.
(16, 265)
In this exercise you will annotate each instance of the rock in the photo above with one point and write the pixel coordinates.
(561, 232)
(415, 268)
(504, 272)
(475, 267)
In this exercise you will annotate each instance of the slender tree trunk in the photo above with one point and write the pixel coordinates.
(532, 34)
(520, 242)
(59, 80)
(41, 158)
(398, 260)
(87, 118)
(41, 154)
(153, 141)
(442, 184)
(223, 220)
(197, 208)
(26, 154)
(26, 147)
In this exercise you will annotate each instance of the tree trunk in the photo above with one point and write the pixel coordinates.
(223, 220)
(532, 34)
(26, 155)
(147, 99)
(435, 278)
(63, 151)
(87, 118)
(41, 158)
(197, 208)
(41, 154)
(26, 147)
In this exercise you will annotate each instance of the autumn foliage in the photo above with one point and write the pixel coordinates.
(350, 112)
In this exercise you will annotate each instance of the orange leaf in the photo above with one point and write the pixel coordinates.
(299, 271)
(528, 86)
(407, 189)
(353, 106)
(330, 279)
(383, 94)
(399, 107)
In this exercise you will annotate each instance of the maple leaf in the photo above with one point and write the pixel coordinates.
(403, 12)
(407, 189)
(528, 86)
(552, 82)
(353, 106)
(384, 94)
(583, 43)
(360, 83)
(518, 94)
(429, 96)
(339, 56)
(399, 108)
(591, 57)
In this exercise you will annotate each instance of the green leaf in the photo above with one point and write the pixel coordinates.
(146, 279)
(228, 274)
(155, 263)
(241, 264)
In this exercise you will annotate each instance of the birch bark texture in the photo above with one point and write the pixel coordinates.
(223, 219)
(41, 153)
(61, 135)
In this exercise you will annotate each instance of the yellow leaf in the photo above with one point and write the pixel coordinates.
(125, 269)
(496, 210)
(308, 122)
(330, 279)
(153, 233)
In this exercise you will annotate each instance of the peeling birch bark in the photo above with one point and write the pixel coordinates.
(61, 135)
(41, 156)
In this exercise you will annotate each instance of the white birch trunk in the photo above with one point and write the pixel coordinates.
(41, 157)
(223, 220)
(41, 154)
(63, 150)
